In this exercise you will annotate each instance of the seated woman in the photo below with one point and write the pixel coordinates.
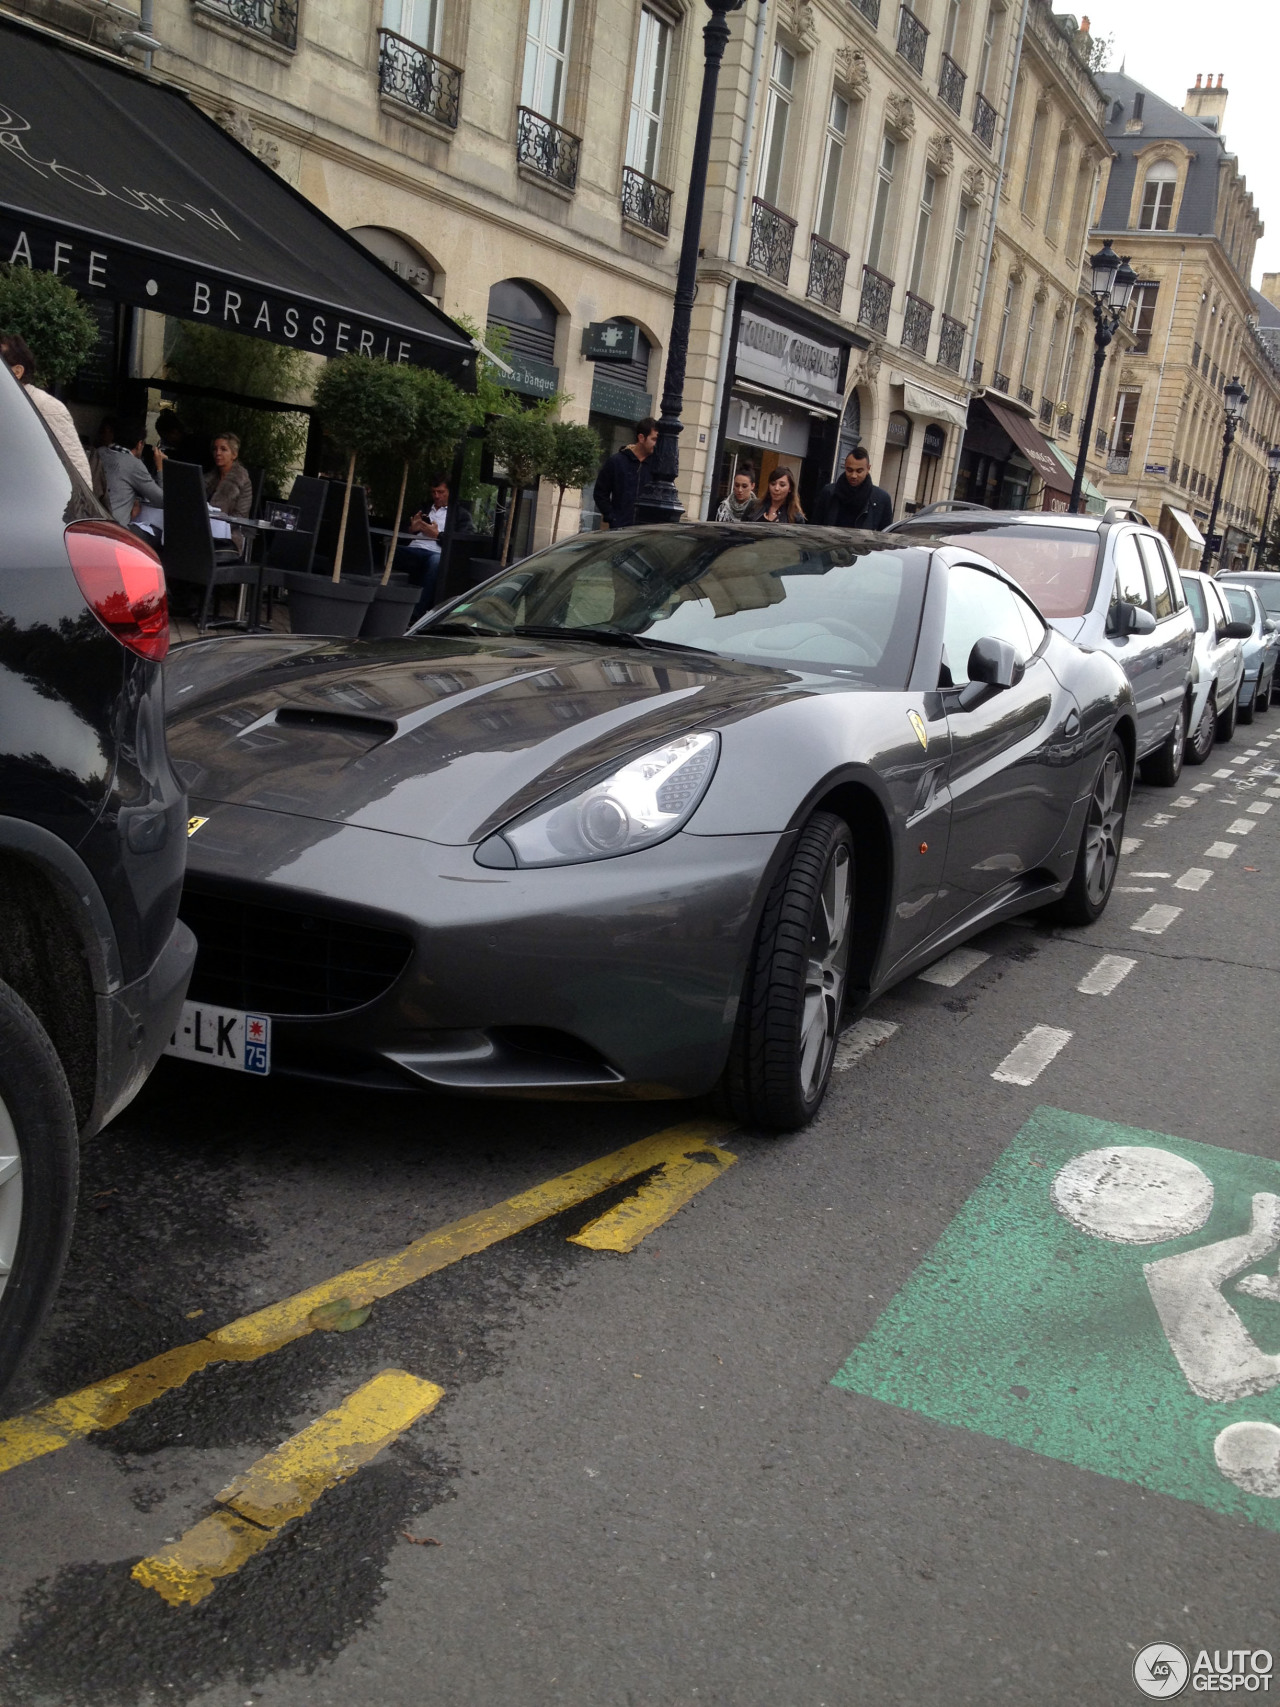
(229, 487)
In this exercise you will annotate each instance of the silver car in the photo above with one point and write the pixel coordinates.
(1217, 671)
(1250, 596)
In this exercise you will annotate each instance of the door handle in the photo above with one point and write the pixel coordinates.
(1071, 728)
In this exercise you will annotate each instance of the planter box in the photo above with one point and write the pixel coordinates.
(318, 605)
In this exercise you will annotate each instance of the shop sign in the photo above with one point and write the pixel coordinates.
(934, 441)
(531, 377)
(623, 402)
(610, 341)
(789, 361)
(899, 430)
(756, 423)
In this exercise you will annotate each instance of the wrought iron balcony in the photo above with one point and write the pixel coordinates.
(277, 20)
(975, 371)
(1000, 381)
(1065, 418)
(1026, 395)
(951, 82)
(827, 266)
(645, 201)
(984, 120)
(870, 10)
(1117, 463)
(877, 299)
(1100, 440)
(916, 320)
(951, 345)
(547, 148)
(1046, 413)
(773, 233)
(408, 73)
(913, 38)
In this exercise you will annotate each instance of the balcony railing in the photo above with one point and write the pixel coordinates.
(984, 120)
(827, 266)
(877, 299)
(1046, 413)
(917, 318)
(1000, 381)
(951, 81)
(277, 20)
(951, 344)
(913, 38)
(1065, 418)
(975, 370)
(1117, 463)
(1026, 395)
(408, 73)
(870, 10)
(645, 201)
(773, 234)
(547, 148)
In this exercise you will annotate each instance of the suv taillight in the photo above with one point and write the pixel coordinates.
(123, 585)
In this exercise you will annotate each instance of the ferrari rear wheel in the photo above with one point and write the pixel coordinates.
(1098, 860)
(793, 996)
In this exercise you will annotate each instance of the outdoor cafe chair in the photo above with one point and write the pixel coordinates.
(188, 552)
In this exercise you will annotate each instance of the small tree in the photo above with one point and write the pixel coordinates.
(523, 443)
(212, 360)
(576, 455)
(442, 415)
(368, 406)
(45, 311)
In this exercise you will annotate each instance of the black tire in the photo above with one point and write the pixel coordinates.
(1200, 745)
(1226, 722)
(1262, 699)
(778, 1066)
(38, 1142)
(1244, 713)
(1164, 766)
(1098, 860)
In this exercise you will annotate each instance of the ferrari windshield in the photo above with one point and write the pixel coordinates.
(795, 597)
(1053, 566)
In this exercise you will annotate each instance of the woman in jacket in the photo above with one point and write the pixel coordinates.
(781, 502)
(229, 487)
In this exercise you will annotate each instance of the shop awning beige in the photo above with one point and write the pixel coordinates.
(1187, 526)
(933, 406)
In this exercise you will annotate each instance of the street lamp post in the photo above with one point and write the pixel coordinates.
(1112, 286)
(1234, 398)
(660, 502)
(1273, 473)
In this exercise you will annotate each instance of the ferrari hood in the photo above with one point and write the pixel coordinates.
(441, 739)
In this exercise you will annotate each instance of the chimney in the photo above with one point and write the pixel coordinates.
(1207, 102)
(1271, 288)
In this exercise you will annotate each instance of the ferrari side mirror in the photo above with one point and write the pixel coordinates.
(993, 664)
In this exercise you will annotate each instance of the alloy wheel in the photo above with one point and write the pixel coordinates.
(1202, 741)
(10, 1196)
(825, 973)
(1106, 826)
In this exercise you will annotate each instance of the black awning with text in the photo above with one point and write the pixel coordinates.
(132, 194)
(1033, 444)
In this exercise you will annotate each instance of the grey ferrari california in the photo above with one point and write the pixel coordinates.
(648, 815)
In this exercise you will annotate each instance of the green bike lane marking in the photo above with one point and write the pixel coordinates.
(1032, 1322)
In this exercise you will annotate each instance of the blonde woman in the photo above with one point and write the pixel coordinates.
(228, 486)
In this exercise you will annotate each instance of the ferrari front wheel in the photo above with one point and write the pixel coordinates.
(793, 995)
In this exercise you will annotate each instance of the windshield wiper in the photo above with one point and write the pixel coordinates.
(465, 628)
(604, 637)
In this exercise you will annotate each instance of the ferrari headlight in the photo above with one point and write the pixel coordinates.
(640, 803)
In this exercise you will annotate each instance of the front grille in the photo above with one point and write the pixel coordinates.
(274, 960)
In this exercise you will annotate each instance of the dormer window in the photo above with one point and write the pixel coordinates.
(1157, 197)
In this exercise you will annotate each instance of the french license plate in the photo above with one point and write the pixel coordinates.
(222, 1037)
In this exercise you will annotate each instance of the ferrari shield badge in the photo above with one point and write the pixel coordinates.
(193, 824)
(917, 723)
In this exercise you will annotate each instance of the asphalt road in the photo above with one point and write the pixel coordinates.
(641, 1485)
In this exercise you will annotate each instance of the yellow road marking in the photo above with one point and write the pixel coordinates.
(622, 1227)
(285, 1484)
(105, 1403)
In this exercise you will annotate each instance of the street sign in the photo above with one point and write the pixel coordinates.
(610, 341)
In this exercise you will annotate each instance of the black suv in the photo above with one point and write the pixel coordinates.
(93, 962)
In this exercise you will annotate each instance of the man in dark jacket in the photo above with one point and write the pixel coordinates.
(853, 501)
(624, 476)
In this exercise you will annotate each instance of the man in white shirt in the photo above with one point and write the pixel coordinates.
(420, 558)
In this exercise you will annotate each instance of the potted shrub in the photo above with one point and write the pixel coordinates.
(523, 443)
(47, 313)
(576, 455)
(365, 404)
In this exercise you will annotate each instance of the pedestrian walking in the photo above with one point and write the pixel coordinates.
(854, 501)
(624, 477)
(57, 417)
(741, 496)
(781, 502)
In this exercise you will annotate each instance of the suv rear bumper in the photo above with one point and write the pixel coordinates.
(135, 1023)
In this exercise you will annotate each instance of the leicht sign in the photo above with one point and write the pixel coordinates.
(788, 361)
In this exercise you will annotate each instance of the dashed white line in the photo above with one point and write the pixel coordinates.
(1220, 850)
(1252, 752)
(1242, 826)
(1224, 773)
(1103, 978)
(1134, 889)
(1024, 1064)
(1272, 793)
(1259, 807)
(953, 967)
(1150, 874)
(1185, 800)
(1156, 823)
(860, 1039)
(1156, 919)
(1195, 878)
(1202, 788)
(1242, 760)
(1130, 845)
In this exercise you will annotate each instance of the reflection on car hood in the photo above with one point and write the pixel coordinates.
(441, 739)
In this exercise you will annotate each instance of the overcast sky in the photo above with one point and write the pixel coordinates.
(1164, 43)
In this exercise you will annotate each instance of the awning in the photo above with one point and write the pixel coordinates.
(128, 190)
(932, 405)
(1187, 526)
(1033, 445)
(1095, 501)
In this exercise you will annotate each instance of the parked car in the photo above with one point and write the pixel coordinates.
(1109, 583)
(1218, 670)
(1243, 591)
(629, 819)
(93, 961)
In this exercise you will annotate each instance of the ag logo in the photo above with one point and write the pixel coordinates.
(1161, 1671)
(917, 723)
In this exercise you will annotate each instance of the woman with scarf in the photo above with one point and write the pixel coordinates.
(741, 497)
